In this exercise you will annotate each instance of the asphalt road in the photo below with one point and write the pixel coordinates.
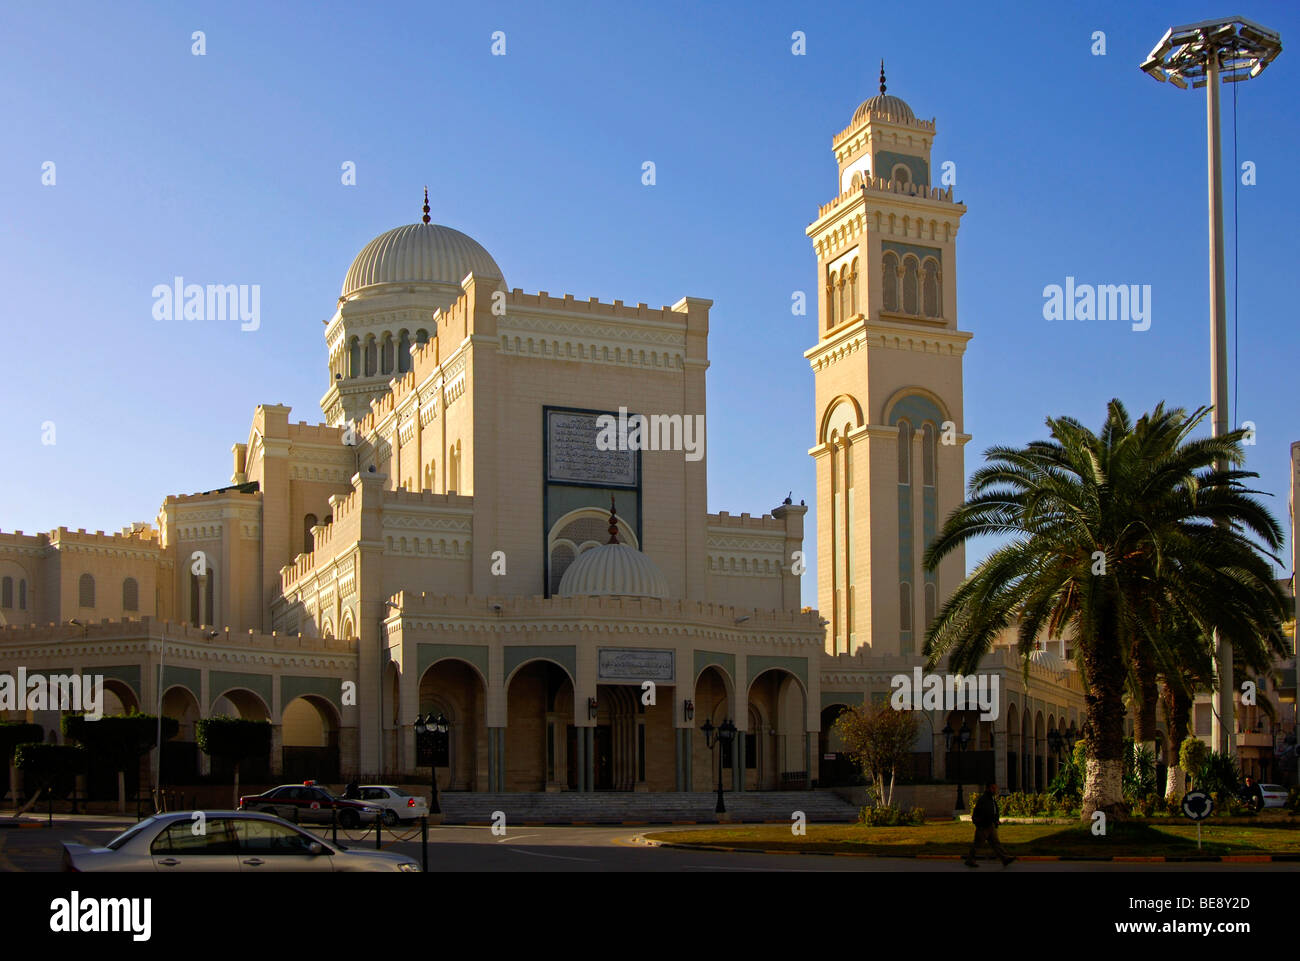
(532, 849)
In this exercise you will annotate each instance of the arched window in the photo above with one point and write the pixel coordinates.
(130, 595)
(905, 606)
(386, 361)
(22, 595)
(86, 591)
(370, 357)
(931, 304)
(354, 358)
(928, 454)
(430, 475)
(347, 631)
(853, 288)
(931, 603)
(889, 280)
(308, 542)
(196, 611)
(830, 299)
(421, 338)
(904, 452)
(910, 291)
(404, 353)
(7, 592)
(901, 174)
(846, 294)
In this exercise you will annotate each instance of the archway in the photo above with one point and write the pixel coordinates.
(247, 705)
(977, 764)
(775, 751)
(1040, 740)
(834, 766)
(180, 753)
(119, 698)
(713, 702)
(455, 689)
(539, 715)
(309, 739)
(1013, 748)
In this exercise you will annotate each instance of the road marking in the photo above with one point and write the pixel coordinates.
(517, 837)
(557, 857)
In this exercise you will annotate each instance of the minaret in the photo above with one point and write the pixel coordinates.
(887, 369)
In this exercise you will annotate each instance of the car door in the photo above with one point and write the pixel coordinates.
(269, 847)
(198, 845)
(377, 796)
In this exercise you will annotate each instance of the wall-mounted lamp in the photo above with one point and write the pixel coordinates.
(591, 708)
(688, 708)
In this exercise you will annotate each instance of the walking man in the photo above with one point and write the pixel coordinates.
(985, 817)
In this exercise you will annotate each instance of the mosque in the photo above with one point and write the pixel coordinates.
(452, 539)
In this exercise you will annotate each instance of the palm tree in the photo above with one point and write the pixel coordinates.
(1107, 531)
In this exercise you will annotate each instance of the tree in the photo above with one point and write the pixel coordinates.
(1108, 531)
(880, 740)
(119, 739)
(47, 764)
(233, 739)
(13, 733)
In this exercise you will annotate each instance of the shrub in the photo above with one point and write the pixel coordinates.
(891, 815)
(1218, 773)
(1191, 754)
(1139, 772)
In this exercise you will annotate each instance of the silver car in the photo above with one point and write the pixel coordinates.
(229, 841)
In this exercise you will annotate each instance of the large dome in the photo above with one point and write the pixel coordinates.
(419, 254)
(613, 570)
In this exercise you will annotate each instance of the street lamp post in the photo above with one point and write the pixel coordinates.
(721, 735)
(1204, 54)
(429, 730)
(961, 739)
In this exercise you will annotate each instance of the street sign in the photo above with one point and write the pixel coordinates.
(1198, 805)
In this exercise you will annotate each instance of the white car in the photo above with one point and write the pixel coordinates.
(398, 805)
(1275, 795)
(246, 842)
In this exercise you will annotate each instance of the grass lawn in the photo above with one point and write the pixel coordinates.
(1150, 838)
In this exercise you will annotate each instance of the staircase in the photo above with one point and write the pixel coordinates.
(630, 807)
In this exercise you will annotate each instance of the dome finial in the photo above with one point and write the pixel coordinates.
(426, 195)
(613, 522)
(882, 75)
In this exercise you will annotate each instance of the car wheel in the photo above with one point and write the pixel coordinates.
(349, 819)
(390, 818)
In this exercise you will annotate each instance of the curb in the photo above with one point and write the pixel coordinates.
(11, 823)
(1224, 858)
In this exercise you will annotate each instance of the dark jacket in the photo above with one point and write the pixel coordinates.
(985, 814)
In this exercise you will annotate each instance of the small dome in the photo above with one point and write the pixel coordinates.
(886, 107)
(419, 254)
(613, 570)
(1049, 660)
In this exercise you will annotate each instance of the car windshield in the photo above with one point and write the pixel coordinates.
(1273, 787)
(130, 832)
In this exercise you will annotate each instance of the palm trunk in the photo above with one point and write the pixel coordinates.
(1178, 715)
(1144, 724)
(235, 805)
(891, 788)
(121, 792)
(1103, 788)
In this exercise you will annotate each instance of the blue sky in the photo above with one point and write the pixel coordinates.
(225, 168)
